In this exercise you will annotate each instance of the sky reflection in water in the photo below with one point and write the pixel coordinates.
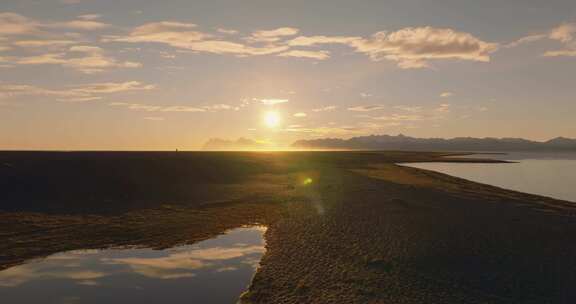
(548, 174)
(213, 271)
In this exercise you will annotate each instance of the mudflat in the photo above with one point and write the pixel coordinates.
(343, 227)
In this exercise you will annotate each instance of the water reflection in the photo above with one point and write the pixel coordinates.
(550, 174)
(212, 271)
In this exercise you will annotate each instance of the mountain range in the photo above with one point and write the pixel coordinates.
(402, 142)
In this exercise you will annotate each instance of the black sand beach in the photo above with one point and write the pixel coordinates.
(343, 227)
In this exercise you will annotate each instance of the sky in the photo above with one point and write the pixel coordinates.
(171, 74)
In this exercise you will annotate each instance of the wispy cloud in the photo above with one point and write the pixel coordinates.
(87, 92)
(185, 36)
(87, 59)
(319, 55)
(446, 94)
(563, 33)
(300, 114)
(156, 108)
(272, 35)
(325, 109)
(317, 40)
(271, 101)
(366, 108)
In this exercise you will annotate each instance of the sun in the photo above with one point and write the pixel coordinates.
(272, 119)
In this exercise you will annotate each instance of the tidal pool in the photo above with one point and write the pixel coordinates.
(548, 174)
(212, 271)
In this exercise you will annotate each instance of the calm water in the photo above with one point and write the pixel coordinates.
(213, 271)
(549, 174)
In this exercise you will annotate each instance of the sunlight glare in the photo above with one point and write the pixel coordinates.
(272, 119)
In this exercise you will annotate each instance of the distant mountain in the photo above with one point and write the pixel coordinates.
(402, 142)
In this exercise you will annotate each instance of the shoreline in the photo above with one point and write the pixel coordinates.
(366, 230)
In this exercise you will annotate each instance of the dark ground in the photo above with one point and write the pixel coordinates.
(363, 231)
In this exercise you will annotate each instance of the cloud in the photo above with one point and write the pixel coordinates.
(366, 108)
(86, 59)
(325, 109)
(408, 108)
(399, 117)
(181, 35)
(154, 118)
(219, 107)
(446, 94)
(89, 17)
(15, 24)
(272, 101)
(319, 55)
(569, 53)
(176, 34)
(525, 40)
(114, 87)
(82, 24)
(300, 114)
(78, 93)
(273, 35)
(413, 47)
(156, 108)
(315, 40)
(443, 108)
(227, 31)
(171, 108)
(43, 43)
(564, 32)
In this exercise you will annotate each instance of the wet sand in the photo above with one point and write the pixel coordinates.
(344, 227)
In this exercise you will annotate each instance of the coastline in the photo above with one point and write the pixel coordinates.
(365, 230)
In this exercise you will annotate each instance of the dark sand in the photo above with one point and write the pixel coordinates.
(361, 230)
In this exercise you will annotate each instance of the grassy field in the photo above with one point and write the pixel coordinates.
(343, 227)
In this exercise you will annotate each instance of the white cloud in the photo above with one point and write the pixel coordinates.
(569, 53)
(413, 47)
(315, 40)
(319, 55)
(325, 109)
(86, 59)
(43, 43)
(273, 35)
(564, 32)
(272, 101)
(83, 25)
(227, 31)
(300, 114)
(89, 17)
(399, 117)
(156, 108)
(366, 108)
(114, 87)
(525, 40)
(181, 35)
(78, 93)
(446, 94)
(408, 108)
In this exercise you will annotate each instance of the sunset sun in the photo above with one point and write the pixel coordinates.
(271, 119)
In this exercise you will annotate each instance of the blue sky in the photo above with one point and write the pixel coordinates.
(135, 74)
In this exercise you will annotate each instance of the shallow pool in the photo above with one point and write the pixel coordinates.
(212, 271)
